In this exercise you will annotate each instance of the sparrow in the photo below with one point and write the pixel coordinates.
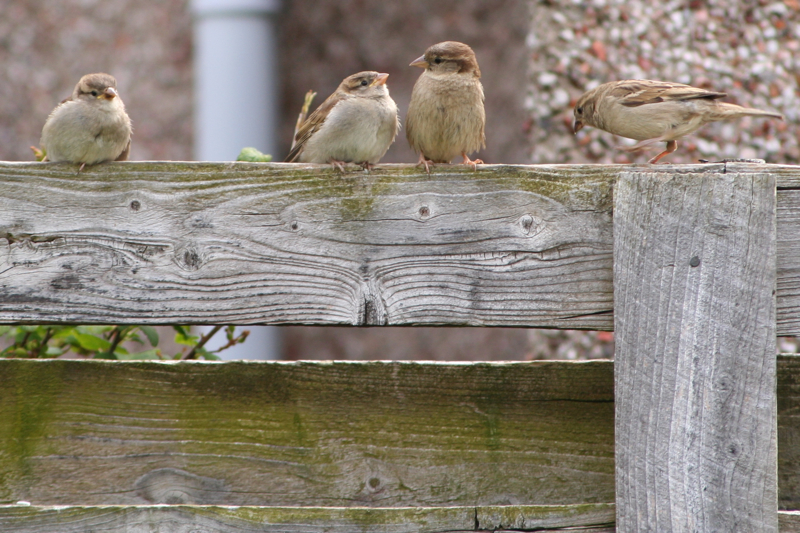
(446, 116)
(89, 127)
(654, 111)
(357, 123)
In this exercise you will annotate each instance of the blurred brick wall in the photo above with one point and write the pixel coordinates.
(324, 41)
(46, 46)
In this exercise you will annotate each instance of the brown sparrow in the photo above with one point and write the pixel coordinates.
(89, 127)
(654, 111)
(446, 116)
(357, 123)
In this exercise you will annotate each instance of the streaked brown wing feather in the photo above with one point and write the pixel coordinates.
(636, 93)
(310, 126)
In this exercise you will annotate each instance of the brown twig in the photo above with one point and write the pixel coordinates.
(203, 340)
(116, 335)
(43, 345)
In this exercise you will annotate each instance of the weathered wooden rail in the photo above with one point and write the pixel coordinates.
(696, 268)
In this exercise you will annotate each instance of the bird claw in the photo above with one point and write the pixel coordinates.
(427, 163)
(338, 165)
(473, 163)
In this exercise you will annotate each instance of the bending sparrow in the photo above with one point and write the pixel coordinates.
(90, 126)
(357, 123)
(446, 116)
(654, 111)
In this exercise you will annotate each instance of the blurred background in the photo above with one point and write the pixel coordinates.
(190, 70)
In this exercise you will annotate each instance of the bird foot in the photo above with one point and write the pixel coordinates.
(338, 164)
(473, 163)
(367, 166)
(427, 163)
(671, 147)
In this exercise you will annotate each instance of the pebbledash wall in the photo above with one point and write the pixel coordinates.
(746, 49)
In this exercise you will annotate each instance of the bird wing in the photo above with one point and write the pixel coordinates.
(640, 92)
(310, 126)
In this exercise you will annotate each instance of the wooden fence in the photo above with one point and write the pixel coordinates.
(697, 271)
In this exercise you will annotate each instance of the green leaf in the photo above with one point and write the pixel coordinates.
(53, 351)
(151, 333)
(253, 155)
(90, 342)
(186, 340)
(155, 353)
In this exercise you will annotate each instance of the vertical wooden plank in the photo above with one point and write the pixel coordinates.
(694, 291)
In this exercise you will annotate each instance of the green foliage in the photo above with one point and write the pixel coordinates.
(253, 155)
(108, 342)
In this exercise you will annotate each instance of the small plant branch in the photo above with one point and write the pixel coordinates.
(43, 345)
(116, 338)
(232, 341)
(203, 340)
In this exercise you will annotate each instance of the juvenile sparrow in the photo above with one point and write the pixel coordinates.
(446, 116)
(90, 126)
(654, 111)
(357, 123)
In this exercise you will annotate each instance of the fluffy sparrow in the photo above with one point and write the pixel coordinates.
(357, 123)
(90, 126)
(654, 111)
(446, 116)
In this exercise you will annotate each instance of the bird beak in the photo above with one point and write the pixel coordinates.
(109, 93)
(576, 126)
(420, 62)
(380, 80)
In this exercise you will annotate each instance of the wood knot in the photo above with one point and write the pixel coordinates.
(531, 225)
(178, 487)
(189, 258)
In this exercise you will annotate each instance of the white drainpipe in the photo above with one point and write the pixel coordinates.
(236, 105)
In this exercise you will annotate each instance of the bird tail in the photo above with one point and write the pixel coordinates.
(736, 111)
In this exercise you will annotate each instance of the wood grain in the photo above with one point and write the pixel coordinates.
(147, 242)
(78, 432)
(216, 519)
(287, 243)
(306, 434)
(695, 374)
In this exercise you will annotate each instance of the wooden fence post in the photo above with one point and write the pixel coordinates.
(694, 295)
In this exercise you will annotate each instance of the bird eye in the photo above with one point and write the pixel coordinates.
(579, 110)
(95, 93)
(364, 83)
(437, 60)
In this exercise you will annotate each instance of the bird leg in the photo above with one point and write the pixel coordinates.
(81, 167)
(366, 165)
(337, 164)
(671, 147)
(641, 145)
(427, 163)
(467, 161)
